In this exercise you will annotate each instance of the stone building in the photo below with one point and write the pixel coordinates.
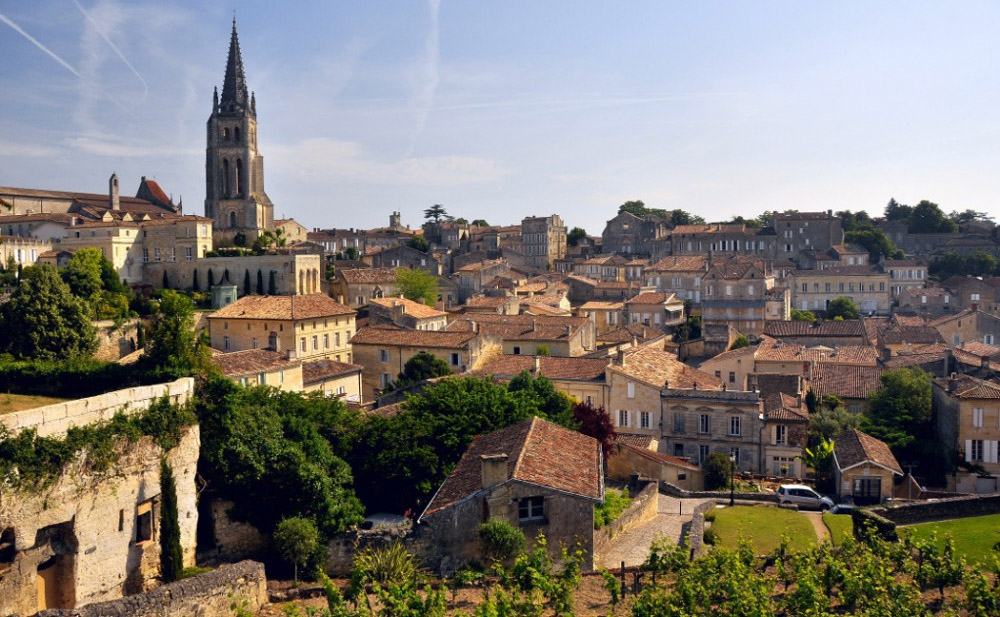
(536, 475)
(384, 351)
(652, 308)
(734, 293)
(281, 274)
(905, 274)
(94, 536)
(975, 292)
(967, 326)
(404, 256)
(785, 433)
(629, 234)
(234, 167)
(679, 275)
(833, 257)
(333, 379)
(697, 422)
(260, 367)
(717, 239)
(733, 367)
(405, 314)
(863, 467)
(581, 378)
(472, 278)
(306, 327)
(930, 302)
(602, 268)
(356, 286)
(543, 240)
(527, 334)
(800, 231)
(22, 251)
(867, 286)
(607, 316)
(967, 411)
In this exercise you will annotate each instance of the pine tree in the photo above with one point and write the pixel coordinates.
(171, 555)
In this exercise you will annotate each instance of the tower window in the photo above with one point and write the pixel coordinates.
(239, 177)
(225, 133)
(225, 177)
(232, 219)
(236, 134)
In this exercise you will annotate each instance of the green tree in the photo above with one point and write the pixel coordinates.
(851, 221)
(634, 206)
(900, 411)
(171, 344)
(554, 405)
(417, 285)
(968, 216)
(272, 283)
(828, 422)
(480, 223)
(575, 235)
(211, 279)
(874, 240)
(842, 307)
(680, 217)
(927, 218)
(421, 366)
(247, 289)
(819, 457)
(802, 315)
(740, 342)
(43, 320)
(420, 243)
(260, 283)
(296, 539)
(501, 541)
(171, 554)
(83, 273)
(195, 285)
(435, 212)
(717, 468)
(895, 211)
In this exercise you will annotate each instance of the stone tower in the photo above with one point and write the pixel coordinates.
(234, 168)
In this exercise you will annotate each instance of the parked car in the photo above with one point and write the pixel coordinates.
(803, 496)
(842, 508)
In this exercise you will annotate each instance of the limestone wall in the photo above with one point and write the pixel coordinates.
(219, 593)
(643, 507)
(55, 420)
(944, 509)
(84, 529)
(233, 540)
(114, 343)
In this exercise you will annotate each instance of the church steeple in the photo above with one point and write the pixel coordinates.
(234, 88)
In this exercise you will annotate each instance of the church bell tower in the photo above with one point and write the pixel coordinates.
(234, 168)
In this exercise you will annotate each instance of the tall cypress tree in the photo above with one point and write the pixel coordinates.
(171, 555)
(194, 283)
(260, 283)
(272, 284)
(166, 280)
(211, 279)
(246, 284)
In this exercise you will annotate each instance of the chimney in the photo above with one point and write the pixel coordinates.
(569, 331)
(273, 342)
(953, 382)
(494, 469)
(113, 192)
(538, 365)
(474, 326)
(620, 358)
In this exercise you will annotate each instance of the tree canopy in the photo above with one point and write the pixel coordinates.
(417, 285)
(93, 279)
(435, 213)
(842, 307)
(901, 408)
(575, 235)
(924, 218)
(420, 243)
(676, 217)
(43, 320)
(171, 343)
(421, 366)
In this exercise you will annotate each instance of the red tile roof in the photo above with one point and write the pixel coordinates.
(414, 309)
(659, 369)
(685, 263)
(368, 275)
(251, 361)
(973, 388)
(538, 452)
(780, 406)
(657, 457)
(771, 350)
(651, 297)
(846, 381)
(853, 448)
(395, 337)
(779, 329)
(309, 306)
(553, 367)
(318, 370)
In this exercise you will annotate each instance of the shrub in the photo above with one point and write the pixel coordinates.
(615, 502)
(500, 540)
(711, 537)
(386, 565)
(296, 539)
(718, 468)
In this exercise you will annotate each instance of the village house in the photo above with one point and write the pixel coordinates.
(867, 286)
(636, 379)
(930, 302)
(333, 379)
(355, 287)
(833, 257)
(543, 240)
(471, 278)
(291, 231)
(699, 421)
(629, 234)
(863, 468)
(405, 314)
(539, 476)
(720, 240)
(602, 268)
(786, 431)
(975, 292)
(639, 454)
(812, 333)
(967, 411)
(607, 316)
(492, 305)
(530, 334)
(968, 326)
(799, 231)
(733, 367)
(852, 384)
(305, 327)
(650, 308)
(905, 274)
(404, 256)
(678, 275)
(383, 351)
(580, 378)
(260, 367)
(776, 356)
(734, 292)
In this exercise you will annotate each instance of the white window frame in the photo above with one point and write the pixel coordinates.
(645, 419)
(735, 426)
(977, 417)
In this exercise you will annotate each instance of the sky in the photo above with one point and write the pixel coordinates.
(500, 110)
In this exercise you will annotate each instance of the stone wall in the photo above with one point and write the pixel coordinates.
(343, 547)
(643, 507)
(293, 274)
(219, 593)
(696, 532)
(86, 530)
(55, 420)
(233, 540)
(675, 491)
(114, 342)
(957, 507)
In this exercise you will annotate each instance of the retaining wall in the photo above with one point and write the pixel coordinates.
(213, 594)
(643, 507)
(675, 491)
(696, 531)
(56, 419)
(956, 507)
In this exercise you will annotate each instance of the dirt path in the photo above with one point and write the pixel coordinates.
(822, 532)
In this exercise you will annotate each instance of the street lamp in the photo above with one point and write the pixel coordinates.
(732, 479)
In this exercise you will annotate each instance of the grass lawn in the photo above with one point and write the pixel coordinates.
(763, 526)
(974, 536)
(20, 402)
(840, 526)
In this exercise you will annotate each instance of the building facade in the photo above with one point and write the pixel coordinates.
(543, 240)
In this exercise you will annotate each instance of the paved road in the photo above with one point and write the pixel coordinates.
(632, 547)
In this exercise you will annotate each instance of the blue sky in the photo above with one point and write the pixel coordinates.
(500, 110)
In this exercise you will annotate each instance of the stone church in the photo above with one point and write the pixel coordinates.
(234, 168)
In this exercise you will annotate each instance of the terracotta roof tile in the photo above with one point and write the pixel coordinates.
(251, 361)
(538, 452)
(521, 327)
(319, 370)
(658, 457)
(784, 407)
(846, 381)
(973, 388)
(635, 440)
(415, 309)
(368, 275)
(772, 350)
(553, 367)
(779, 329)
(392, 337)
(486, 301)
(660, 368)
(684, 263)
(854, 447)
(651, 297)
(309, 306)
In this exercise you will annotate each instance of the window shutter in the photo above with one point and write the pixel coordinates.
(617, 415)
(968, 450)
(994, 453)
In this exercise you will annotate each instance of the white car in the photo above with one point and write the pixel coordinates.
(803, 496)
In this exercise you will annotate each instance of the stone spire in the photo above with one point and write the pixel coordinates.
(234, 88)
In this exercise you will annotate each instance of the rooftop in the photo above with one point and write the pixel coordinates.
(662, 369)
(415, 309)
(553, 367)
(251, 362)
(394, 337)
(308, 306)
(368, 275)
(854, 448)
(318, 370)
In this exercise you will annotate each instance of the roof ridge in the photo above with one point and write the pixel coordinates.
(524, 446)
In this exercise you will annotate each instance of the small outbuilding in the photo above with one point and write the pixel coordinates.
(863, 467)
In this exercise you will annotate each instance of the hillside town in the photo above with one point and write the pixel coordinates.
(190, 393)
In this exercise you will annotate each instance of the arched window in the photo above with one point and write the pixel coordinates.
(225, 133)
(236, 134)
(225, 177)
(232, 219)
(239, 177)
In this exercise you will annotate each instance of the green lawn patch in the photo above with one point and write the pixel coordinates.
(841, 527)
(19, 402)
(974, 536)
(763, 526)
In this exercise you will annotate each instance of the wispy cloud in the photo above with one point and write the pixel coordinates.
(328, 160)
(39, 45)
(429, 77)
(118, 52)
